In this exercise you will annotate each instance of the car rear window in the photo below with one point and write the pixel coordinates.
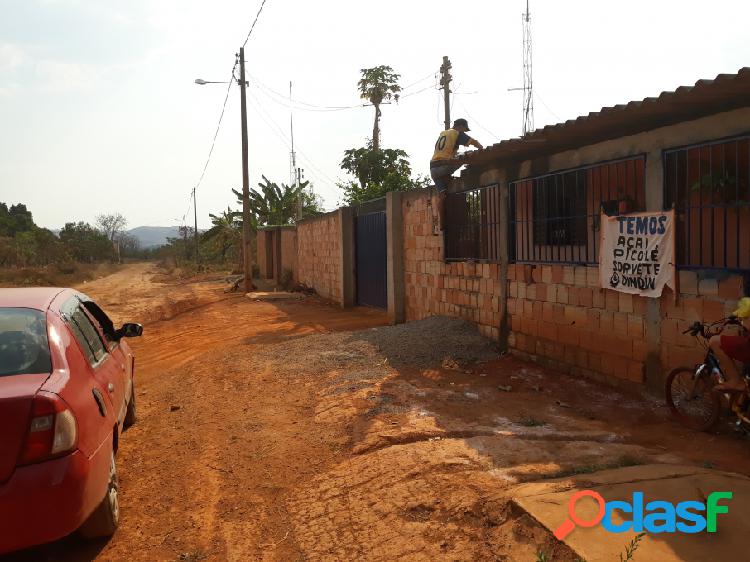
(23, 342)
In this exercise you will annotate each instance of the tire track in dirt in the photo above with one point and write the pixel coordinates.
(283, 447)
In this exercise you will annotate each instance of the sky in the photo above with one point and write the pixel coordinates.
(99, 112)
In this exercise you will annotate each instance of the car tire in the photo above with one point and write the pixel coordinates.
(104, 520)
(131, 415)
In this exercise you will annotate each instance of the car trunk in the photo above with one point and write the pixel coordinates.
(16, 395)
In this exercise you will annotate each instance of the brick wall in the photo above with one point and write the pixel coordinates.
(561, 317)
(261, 245)
(465, 290)
(289, 251)
(703, 296)
(319, 255)
(557, 314)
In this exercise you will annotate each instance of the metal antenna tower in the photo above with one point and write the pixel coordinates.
(528, 92)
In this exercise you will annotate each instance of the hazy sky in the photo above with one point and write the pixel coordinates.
(99, 112)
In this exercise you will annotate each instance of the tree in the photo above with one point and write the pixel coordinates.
(85, 243)
(278, 204)
(111, 225)
(226, 231)
(378, 85)
(377, 172)
(129, 245)
(15, 220)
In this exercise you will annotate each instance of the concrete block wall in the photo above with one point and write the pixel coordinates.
(319, 256)
(560, 317)
(289, 251)
(431, 287)
(705, 297)
(262, 256)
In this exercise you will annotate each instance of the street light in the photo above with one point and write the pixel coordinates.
(246, 233)
(202, 82)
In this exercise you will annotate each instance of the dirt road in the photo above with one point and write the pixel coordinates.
(278, 431)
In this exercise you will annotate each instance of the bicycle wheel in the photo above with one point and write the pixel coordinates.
(691, 399)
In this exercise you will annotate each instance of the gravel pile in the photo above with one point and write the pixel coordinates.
(423, 344)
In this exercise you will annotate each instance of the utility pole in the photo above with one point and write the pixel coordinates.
(195, 217)
(445, 82)
(247, 268)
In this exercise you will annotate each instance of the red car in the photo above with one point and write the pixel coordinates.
(66, 394)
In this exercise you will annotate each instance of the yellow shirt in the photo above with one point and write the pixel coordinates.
(448, 143)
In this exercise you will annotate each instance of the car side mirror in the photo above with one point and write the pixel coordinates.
(131, 330)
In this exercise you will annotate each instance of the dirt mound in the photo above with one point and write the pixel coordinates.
(422, 344)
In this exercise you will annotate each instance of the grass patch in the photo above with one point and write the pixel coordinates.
(528, 421)
(620, 462)
(58, 275)
(631, 547)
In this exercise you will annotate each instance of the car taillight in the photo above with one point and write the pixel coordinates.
(52, 430)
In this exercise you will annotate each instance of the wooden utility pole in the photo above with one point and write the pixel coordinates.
(247, 268)
(445, 82)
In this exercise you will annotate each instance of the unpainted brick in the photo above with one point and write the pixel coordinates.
(708, 287)
(731, 288)
(688, 282)
(580, 275)
(625, 302)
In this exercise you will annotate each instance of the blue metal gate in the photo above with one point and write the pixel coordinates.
(371, 259)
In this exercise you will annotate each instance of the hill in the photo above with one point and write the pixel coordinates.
(152, 236)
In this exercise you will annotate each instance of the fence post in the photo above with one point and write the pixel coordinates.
(395, 269)
(347, 249)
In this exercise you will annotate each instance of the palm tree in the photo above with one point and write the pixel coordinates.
(226, 231)
(281, 204)
(378, 85)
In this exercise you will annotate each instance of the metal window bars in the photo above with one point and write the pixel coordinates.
(473, 227)
(708, 185)
(554, 218)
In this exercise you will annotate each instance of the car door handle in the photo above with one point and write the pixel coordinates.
(111, 388)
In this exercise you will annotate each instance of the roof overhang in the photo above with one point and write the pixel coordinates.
(707, 97)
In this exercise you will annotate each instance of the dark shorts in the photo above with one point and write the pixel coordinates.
(441, 175)
(737, 347)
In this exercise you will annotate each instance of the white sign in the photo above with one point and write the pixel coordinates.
(637, 253)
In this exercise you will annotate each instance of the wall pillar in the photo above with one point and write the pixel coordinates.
(654, 372)
(504, 330)
(346, 247)
(395, 269)
(277, 255)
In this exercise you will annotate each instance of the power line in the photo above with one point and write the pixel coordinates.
(279, 132)
(254, 22)
(430, 75)
(190, 205)
(218, 126)
(285, 100)
(536, 94)
(430, 87)
(474, 120)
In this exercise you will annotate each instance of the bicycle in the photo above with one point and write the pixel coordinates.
(690, 391)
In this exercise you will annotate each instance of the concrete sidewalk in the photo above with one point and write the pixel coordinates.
(547, 502)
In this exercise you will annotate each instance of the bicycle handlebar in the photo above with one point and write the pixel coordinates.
(702, 329)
